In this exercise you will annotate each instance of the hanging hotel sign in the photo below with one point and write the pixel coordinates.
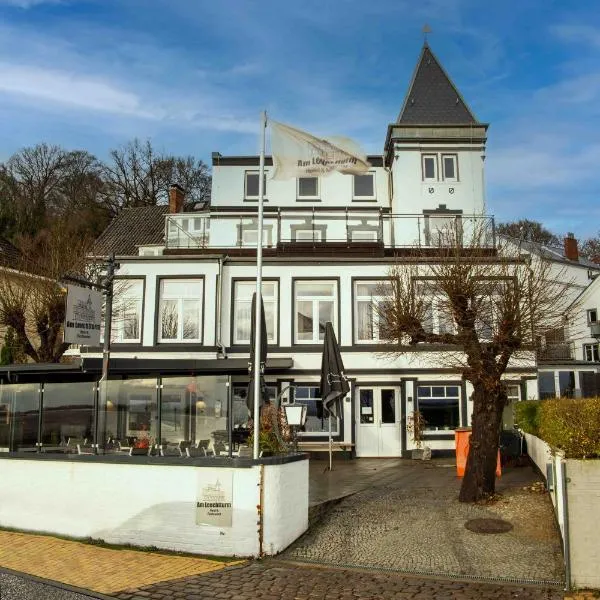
(83, 316)
(214, 505)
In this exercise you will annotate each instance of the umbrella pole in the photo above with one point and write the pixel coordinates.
(330, 446)
(256, 366)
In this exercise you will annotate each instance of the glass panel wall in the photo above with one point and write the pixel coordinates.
(67, 416)
(209, 429)
(129, 416)
(19, 417)
(194, 413)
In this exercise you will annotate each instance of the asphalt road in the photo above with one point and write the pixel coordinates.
(13, 587)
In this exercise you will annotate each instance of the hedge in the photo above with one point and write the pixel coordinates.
(527, 416)
(570, 425)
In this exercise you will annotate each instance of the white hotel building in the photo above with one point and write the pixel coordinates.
(189, 273)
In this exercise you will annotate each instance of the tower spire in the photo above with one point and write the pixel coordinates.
(426, 29)
(432, 97)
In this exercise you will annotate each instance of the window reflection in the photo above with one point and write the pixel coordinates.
(19, 417)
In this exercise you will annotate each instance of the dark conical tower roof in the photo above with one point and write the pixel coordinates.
(432, 98)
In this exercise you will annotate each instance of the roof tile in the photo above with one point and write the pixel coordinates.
(432, 98)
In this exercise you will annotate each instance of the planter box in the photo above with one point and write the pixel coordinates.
(576, 510)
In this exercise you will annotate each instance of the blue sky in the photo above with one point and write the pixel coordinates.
(193, 75)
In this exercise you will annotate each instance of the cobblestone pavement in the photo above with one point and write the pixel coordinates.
(414, 523)
(275, 580)
(92, 567)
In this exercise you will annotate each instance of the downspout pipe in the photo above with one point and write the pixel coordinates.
(220, 346)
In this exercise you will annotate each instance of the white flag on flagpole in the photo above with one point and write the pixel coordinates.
(300, 154)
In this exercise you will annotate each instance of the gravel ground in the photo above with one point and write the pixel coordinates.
(417, 525)
(20, 588)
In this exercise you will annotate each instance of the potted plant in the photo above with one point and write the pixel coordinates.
(416, 426)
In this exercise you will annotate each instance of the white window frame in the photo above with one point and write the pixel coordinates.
(180, 339)
(252, 197)
(435, 167)
(441, 311)
(435, 397)
(308, 235)
(315, 308)
(317, 196)
(432, 234)
(371, 197)
(335, 422)
(454, 159)
(267, 238)
(128, 299)
(237, 301)
(591, 352)
(374, 299)
(592, 312)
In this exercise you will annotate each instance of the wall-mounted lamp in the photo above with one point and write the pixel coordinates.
(295, 414)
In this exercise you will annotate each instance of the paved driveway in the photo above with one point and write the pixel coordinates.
(404, 515)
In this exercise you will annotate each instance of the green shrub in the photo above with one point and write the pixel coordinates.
(572, 426)
(527, 416)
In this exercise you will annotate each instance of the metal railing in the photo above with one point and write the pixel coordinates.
(309, 227)
(556, 351)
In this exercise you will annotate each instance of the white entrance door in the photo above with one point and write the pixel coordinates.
(377, 422)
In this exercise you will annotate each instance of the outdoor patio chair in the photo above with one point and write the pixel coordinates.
(205, 445)
(170, 449)
(85, 449)
(196, 450)
(140, 451)
(219, 449)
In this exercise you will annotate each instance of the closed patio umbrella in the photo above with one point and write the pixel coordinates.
(263, 356)
(334, 384)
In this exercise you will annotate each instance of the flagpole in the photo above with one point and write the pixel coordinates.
(330, 445)
(257, 314)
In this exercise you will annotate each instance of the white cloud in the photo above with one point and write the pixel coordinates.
(69, 88)
(29, 3)
(581, 34)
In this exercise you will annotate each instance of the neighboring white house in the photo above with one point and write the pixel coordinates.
(571, 364)
(189, 273)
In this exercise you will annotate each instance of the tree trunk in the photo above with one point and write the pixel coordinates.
(479, 481)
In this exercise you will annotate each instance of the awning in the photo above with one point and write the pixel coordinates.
(91, 368)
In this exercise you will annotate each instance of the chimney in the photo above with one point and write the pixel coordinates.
(571, 250)
(176, 197)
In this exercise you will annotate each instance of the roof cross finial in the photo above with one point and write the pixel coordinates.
(426, 29)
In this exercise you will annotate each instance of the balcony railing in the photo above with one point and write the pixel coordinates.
(555, 351)
(311, 228)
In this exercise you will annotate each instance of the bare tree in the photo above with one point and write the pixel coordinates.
(43, 183)
(138, 175)
(481, 311)
(590, 249)
(32, 295)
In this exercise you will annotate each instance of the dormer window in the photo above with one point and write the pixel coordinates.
(430, 167)
(308, 188)
(251, 185)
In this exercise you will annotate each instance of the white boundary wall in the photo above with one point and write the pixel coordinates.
(580, 509)
(154, 505)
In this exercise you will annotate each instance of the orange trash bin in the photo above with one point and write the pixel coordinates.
(462, 444)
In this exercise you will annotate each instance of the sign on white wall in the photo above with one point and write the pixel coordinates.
(83, 316)
(215, 502)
